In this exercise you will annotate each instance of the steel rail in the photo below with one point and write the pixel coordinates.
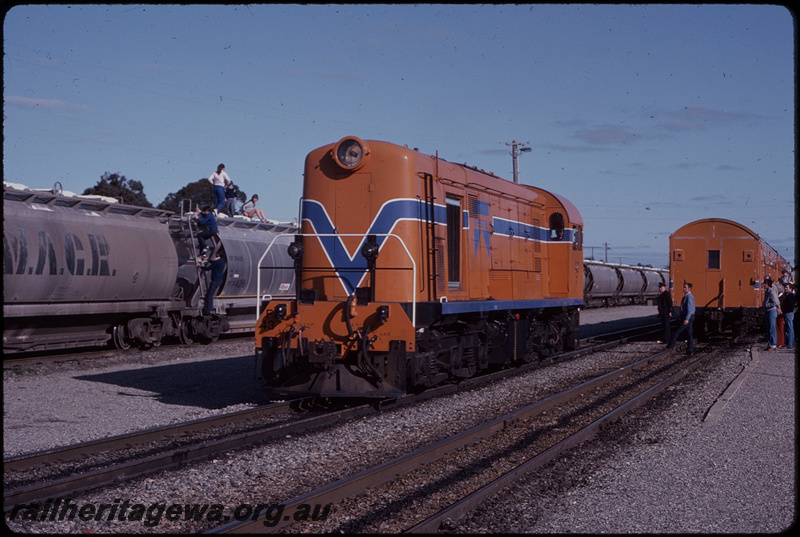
(378, 475)
(27, 461)
(470, 502)
(73, 354)
(167, 460)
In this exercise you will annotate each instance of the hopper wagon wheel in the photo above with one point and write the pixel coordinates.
(183, 333)
(120, 341)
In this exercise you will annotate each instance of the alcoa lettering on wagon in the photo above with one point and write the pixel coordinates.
(411, 270)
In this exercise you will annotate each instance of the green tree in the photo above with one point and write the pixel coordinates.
(198, 193)
(117, 186)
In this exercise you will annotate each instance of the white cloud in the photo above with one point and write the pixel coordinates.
(44, 104)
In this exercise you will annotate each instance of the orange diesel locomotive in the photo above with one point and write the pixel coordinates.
(412, 270)
(726, 263)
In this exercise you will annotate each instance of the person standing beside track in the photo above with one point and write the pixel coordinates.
(219, 180)
(780, 285)
(665, 307)
(687, 315)
(788, 303)
(772, 308)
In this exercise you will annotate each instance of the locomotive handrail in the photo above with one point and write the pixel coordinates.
(362, 235)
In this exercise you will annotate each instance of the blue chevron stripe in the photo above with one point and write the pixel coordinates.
(352, 267)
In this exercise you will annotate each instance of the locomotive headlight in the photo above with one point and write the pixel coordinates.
(295, 251)
(280, 312)
(350, 153)
(370, 251)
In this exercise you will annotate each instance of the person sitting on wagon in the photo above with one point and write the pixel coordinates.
(250, 211)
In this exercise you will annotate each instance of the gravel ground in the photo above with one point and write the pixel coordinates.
(617, 486)
(54, 404)
(664, 470)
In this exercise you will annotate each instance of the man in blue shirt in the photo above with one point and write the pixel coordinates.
(217, 268)
(206, 218)
(687, 314)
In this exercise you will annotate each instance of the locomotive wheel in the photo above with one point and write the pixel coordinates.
(120, 341)
(183, 333)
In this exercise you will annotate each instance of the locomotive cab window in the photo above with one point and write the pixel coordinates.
(453, 242)
(713, 259)
(556, 227)
(577, 238)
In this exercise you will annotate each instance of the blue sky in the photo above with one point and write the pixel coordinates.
(646, 117)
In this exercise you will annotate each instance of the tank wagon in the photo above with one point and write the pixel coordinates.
(606, 284)
(726, 263)
(412, 270)
(83, 271)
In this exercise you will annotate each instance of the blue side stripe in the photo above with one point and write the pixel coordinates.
(498, 305)
(520, 230)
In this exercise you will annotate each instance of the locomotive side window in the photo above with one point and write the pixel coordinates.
(556, 227)
(453, 242)
(713, 259)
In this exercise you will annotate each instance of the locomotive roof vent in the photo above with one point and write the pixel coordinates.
(351, 153)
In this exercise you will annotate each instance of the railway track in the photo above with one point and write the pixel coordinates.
(88, 465)
(22, 360)
(413, 493)
(75, 468)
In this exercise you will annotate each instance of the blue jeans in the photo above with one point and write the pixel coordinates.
(230, 206)
(772, 317)
(208, 307)
(202, 236)
(788, 329)
(689, 339)
(219, 197)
